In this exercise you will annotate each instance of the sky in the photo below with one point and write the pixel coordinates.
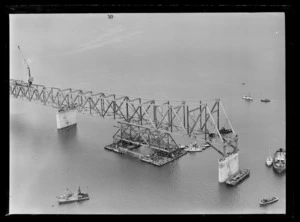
(223, 49)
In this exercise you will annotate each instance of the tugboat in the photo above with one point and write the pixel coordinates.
(241, 175)
(71, 197)
(267, 201)
(265, 100)
(279, 163)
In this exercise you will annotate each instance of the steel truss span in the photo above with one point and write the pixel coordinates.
(141, 135)
(200, 121)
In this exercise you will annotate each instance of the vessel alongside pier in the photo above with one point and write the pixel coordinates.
(238, 177)
(157, 158)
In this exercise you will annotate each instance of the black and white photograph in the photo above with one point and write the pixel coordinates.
(147, 113)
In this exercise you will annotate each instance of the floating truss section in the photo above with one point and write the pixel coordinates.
(141, 135)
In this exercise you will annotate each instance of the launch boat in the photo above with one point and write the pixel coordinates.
(196, 148)
(267, 201)
(265, 100)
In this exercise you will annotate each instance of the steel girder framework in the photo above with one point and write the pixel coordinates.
(200, 120)
(141, 135)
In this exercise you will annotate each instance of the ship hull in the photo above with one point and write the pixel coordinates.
(71, 201)
(279, 163)
(243, 176)
(267, 203)
(279, 169)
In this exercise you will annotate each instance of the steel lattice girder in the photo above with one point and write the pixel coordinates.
(153, 138)
(195, 120)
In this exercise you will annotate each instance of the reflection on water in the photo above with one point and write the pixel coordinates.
(228, 195)
(122, 184)
(67, 135)
(280, 175)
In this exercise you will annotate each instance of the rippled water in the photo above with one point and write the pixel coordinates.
(44, 161)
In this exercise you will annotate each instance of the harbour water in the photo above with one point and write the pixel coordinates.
(153, 56)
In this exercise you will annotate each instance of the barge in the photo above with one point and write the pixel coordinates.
(157, 158)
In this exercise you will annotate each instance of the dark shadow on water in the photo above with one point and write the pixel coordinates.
(67, 135)
(72, 204)
(228, 194)
(278, 174)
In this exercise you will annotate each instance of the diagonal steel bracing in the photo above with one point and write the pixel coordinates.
(153, 138)
(198, 120)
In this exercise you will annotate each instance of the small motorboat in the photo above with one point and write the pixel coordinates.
(206, 145)
(194, 147)
(265, 100)
(267, 201)
(269, 161)
(225, 131)
(182, 146)
(247, 98)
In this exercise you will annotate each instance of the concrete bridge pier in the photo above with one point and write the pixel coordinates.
(65, 118)
(228, 166)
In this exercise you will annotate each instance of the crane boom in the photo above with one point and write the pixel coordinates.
(30, 78)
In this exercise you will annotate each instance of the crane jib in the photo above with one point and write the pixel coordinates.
(30, 78)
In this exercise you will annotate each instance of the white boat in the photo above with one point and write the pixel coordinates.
(267, 201)
(182, 146)
(269, 161)
(195, 148)
(249, 98)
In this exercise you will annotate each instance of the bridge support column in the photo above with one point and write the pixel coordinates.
(228, 166)
(65, 118)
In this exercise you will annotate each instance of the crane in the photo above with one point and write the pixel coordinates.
(30, 78)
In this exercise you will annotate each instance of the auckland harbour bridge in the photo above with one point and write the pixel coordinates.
(148, 122)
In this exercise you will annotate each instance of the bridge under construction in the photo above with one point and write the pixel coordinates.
(143, 122)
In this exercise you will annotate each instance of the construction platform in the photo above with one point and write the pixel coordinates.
(157, 158)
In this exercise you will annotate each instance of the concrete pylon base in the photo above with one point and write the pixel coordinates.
(65, 119)
(228, 166)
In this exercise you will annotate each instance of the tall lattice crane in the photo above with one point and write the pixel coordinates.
(30, 78)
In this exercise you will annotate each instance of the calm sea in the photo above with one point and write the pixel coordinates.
(174, 56)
